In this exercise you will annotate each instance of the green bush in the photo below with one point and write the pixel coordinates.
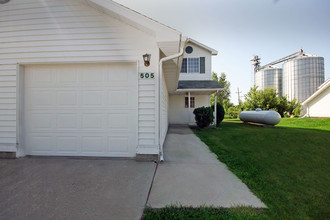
(233, 112)
(220, 113)
(203, 116)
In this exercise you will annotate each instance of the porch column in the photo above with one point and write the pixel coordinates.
(188, 107)
(215, 108)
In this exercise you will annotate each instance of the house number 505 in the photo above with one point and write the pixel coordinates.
(147, 75)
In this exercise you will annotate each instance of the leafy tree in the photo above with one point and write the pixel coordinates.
(223, 94)
(253, 99)
(294, 107)
(282, 106)
(233, 111)
(226, 105)
(268, 99)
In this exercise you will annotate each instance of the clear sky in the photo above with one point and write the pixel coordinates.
(239, 29)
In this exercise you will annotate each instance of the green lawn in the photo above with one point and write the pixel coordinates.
(287, 167)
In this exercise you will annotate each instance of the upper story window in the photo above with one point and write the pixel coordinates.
(193, 65)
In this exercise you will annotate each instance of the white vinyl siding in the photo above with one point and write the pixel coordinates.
(147, 112)
(8, 108)
(67, 31)
(320, 105)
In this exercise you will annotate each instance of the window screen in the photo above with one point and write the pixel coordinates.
(202, 64)
(184, 65)
(193, 65)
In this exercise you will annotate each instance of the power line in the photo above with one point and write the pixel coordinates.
(238, 95)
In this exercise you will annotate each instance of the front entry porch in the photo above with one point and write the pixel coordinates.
(191, 94)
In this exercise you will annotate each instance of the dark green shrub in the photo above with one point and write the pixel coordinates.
(203, 116)
(220, 113)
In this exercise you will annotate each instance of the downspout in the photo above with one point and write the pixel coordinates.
(161, 61)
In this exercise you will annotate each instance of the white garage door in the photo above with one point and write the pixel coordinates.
(80, 110)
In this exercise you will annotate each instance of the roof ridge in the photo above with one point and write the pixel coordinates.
(139, 13)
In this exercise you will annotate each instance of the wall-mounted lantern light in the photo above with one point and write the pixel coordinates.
(146, 58)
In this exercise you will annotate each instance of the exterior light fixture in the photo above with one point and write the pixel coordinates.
(146, 59)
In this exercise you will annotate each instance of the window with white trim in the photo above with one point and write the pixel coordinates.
(193, 65)
(192, 102)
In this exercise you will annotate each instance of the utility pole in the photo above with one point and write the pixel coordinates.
(238, 94)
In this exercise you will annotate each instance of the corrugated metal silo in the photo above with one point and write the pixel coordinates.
(270, 76)
(259, 79)
(302, 76)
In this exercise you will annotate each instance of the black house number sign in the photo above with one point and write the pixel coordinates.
(147, 75)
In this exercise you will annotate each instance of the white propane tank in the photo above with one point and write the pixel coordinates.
(261, 117)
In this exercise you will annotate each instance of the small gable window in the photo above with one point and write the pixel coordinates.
(189, 50)
(193, 65)
(192, 102)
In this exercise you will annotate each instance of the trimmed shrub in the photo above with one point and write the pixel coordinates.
(220, 113)
(203, 116)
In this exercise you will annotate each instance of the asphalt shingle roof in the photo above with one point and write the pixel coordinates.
(199, 84)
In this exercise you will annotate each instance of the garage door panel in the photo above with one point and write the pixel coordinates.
(92, 144)
(67, 144)
(39, 121)
(40, 98)
(93, 121)
(67, 121)
(94, 98)
(40, 144)
(118, 144)
(81, 110)
(66, 98)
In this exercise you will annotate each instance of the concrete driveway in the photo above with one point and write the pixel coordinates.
(66, 188)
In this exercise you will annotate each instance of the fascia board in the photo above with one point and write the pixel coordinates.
(213, 51)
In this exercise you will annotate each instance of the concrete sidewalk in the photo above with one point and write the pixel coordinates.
(192, 176)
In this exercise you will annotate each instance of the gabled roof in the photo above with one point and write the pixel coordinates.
(213, 51)
(321, 88)
(135, 19)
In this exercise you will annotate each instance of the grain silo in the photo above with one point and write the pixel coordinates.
(302, 76)
(270, 76)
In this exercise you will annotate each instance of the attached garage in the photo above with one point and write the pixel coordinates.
(80, 110)
(74, 80)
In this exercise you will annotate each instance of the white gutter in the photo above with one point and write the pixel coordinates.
(160, 71)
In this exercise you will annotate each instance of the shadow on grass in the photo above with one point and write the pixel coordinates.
(279, 126)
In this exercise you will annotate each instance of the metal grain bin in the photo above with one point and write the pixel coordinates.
(302, 76)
